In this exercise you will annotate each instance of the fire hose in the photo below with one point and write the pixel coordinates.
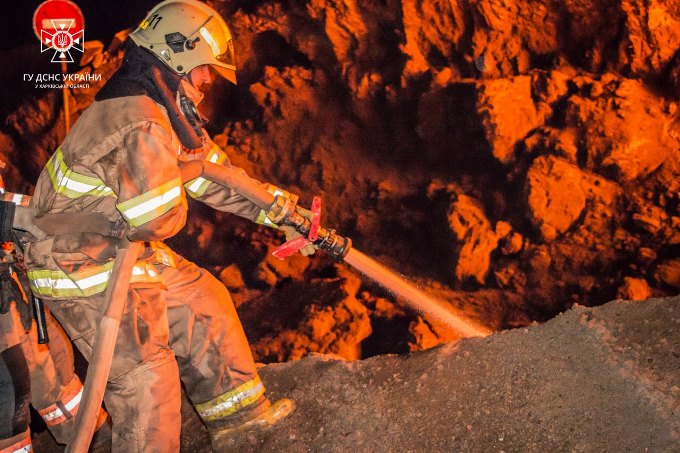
(339, 247)
(104, 346)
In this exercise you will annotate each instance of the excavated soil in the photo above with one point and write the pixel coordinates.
(511, 158)
(592, 379)
(603, 379)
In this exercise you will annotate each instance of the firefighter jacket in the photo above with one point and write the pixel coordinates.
(120, 162)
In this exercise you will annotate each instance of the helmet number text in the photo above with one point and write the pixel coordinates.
(152, 21)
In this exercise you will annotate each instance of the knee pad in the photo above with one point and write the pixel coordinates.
(15, 392)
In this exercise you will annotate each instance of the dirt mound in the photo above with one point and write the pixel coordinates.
(593, 379)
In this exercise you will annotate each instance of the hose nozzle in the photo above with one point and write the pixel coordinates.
(326, 238)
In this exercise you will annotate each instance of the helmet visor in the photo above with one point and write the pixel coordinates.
(226, 71)
(227, 57)
(225, 65)
(223, 61)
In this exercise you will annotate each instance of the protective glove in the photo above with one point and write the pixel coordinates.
(291, 233)
(10, 291)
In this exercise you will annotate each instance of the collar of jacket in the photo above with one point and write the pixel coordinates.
(142, 74)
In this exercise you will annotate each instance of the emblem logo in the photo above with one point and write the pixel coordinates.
(60, 26)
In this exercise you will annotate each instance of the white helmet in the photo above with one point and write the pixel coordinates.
(184, 34)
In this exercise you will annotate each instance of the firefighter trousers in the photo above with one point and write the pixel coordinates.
(184, 327)
(55, 390)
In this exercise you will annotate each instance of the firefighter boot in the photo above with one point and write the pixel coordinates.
(256, 425)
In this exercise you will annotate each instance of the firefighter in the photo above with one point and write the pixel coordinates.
(39, 374)
(117, 175)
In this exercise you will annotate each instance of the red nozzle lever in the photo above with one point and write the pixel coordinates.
(289, 248)
(316, 220)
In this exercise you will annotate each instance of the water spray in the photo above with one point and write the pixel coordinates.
(416, 299)
(339, 247)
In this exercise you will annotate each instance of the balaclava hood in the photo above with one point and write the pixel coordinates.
(143, 74)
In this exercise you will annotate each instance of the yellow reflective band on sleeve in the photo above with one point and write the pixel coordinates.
(234, 400)
(71, 184)
(152, 204)
(85, 283)
(262, 219)
(276, 191)
(196, 187)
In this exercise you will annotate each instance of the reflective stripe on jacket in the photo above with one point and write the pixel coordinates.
(119, 160)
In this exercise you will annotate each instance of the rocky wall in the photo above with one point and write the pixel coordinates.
(513, 158)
